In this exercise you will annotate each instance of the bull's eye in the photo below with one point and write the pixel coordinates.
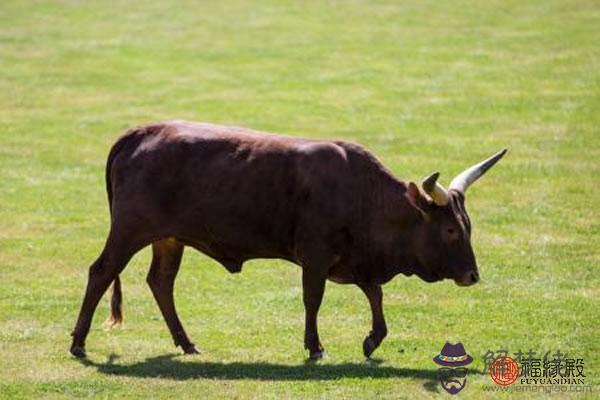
(451, 234)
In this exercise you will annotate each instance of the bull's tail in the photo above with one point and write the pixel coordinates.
(116, 304)
(116, 300)
(130, 138)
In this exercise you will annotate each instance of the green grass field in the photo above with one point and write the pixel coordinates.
(425, 85)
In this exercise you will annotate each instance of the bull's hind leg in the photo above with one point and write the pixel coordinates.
(166, 258)
(116, 254)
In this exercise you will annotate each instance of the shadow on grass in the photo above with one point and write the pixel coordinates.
(168, 366)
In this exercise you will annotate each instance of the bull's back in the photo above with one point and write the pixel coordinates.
(230, 192)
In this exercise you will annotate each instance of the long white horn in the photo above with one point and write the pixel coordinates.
(438, 194)
(470, 175)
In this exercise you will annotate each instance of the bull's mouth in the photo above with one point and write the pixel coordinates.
(468, 279)
(461, 283)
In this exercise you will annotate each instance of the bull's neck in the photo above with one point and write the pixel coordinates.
(393, 226)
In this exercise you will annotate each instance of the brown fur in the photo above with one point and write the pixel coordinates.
(236, 194)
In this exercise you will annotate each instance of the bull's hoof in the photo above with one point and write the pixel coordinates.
(316, 355)
(369, 346)
(78, 351)
(191, 349)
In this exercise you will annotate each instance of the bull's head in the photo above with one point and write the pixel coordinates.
(443, 237)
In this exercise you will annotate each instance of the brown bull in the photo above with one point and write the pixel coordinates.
(235, 195)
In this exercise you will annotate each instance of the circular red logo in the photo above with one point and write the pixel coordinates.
(504, 371)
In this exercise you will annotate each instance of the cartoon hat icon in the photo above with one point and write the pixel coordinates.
(453, 355)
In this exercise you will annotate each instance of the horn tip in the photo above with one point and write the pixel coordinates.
(429, 182)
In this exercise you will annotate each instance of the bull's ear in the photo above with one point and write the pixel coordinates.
(415, 199)
(412, 193)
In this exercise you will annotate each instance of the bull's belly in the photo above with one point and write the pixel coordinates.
(341, 273)
(231, 256)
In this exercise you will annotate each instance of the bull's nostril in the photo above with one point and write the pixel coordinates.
(474, 277)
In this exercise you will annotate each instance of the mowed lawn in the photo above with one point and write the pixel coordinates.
(425, 85)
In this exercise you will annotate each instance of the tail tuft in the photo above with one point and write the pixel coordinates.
(116, 304)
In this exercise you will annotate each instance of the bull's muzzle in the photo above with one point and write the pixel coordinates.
(468, 279)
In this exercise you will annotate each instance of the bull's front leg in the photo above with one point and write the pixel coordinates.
(313, 286)
(379, 328)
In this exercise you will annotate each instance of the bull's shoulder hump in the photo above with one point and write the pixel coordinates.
(319, 149)
(361, 159)
(354, 149)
